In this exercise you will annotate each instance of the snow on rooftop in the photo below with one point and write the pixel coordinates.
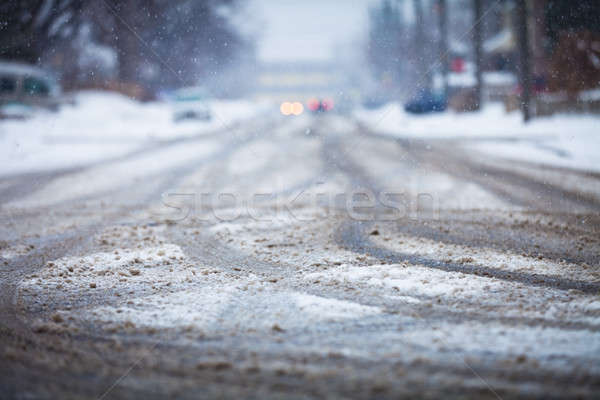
(503, 41)
(15, 68)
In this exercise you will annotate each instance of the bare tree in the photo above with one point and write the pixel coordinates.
(157, 43)
(30, 27)
(169, 43)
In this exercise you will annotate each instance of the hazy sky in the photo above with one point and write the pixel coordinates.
(307, 29)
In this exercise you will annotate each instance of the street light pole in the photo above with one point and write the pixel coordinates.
(478, 44)
(420, 37)
(443, 20)
(524, 57)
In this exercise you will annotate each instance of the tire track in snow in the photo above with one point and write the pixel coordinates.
(352, 235)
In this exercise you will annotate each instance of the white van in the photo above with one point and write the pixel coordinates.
(24, 87)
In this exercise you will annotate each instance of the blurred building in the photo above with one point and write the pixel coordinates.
(565, 49)
(301, 81)
(564, 38)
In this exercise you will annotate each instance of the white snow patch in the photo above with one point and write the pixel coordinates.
(407, 281)
(132, 269)
(538, 343)
(566, 140)
(102, 125)
(404, 299)
(231, 306)
(501, 298)
(17, 250)
(129, 172)
(503, 260)
(201, 307)
(322, 307)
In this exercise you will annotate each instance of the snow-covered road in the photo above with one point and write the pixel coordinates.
(306, 257)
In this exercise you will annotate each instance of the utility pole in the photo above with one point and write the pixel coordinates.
(524, 58)
(443, 21)
(478, 44)
(419, 37)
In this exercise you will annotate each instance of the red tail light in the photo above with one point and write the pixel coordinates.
(313, 104)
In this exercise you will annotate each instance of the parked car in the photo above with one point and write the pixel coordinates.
(190, 103)
(426, 101)
(25, 87)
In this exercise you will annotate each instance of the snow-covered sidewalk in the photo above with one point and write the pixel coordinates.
(102, 125)
(568, 140)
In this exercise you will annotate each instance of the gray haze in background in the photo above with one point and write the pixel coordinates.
(307, 30)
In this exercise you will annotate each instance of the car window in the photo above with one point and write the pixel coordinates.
(35, 86)
(8, 85)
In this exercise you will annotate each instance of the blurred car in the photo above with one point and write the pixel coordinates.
(320, 105)
(23, 88)
(291, 108)
(426, 101)
(191, 103)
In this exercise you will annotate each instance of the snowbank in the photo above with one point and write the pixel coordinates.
(568, 140)
(101, 125)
